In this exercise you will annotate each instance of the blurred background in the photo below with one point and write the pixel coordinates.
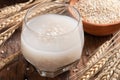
(4, 3)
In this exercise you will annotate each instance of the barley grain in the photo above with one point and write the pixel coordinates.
(112, 50)
(110, 67)
(9, 10)
(98, 53)
(99, 11)
(12, 20)
(18, 17)
(6, 34)
(64, 1)
(48, 8)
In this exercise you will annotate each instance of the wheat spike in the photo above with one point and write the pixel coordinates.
(116, 74)
(94, 64)
(18, 17)
(64, 1)
(101, 51)
(58, 10)
(93, 70)
(12, 20)
(9, 59)
(36, 2)
(9, 10)
(48, 8)
(112, 60)
(98, 53)
(6, 34)
(109, 71)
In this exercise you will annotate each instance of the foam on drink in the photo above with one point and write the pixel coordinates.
(52, 41)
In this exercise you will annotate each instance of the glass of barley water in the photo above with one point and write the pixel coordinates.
(52, 38)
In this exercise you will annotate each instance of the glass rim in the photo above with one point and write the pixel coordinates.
(66, 5)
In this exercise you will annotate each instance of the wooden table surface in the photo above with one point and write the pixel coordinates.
(22, 70)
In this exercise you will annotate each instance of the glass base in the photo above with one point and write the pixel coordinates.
(58, 71)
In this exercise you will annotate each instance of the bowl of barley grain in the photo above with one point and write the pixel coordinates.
(99, 17)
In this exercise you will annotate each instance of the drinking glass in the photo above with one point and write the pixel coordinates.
(52, 38)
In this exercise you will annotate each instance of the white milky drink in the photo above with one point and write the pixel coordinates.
(52, 41)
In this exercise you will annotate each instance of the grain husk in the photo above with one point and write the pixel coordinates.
(9, 10)
(6, 34)
(111, 70)
(11, 21)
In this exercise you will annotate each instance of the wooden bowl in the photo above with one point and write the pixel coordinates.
(98, 29)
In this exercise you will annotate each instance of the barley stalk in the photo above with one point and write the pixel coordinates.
(9, 10)
(58, 10)
(116, 74)
(48, 8)
(100, 60)
(110, 67)
(93, 63)
(96, 62)
(9, 59)
(6, 34)
(18, 17)
(36, 2)
(90, 72)
(98, 53)
(12, 20)
(63, 1)
(112, 60)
